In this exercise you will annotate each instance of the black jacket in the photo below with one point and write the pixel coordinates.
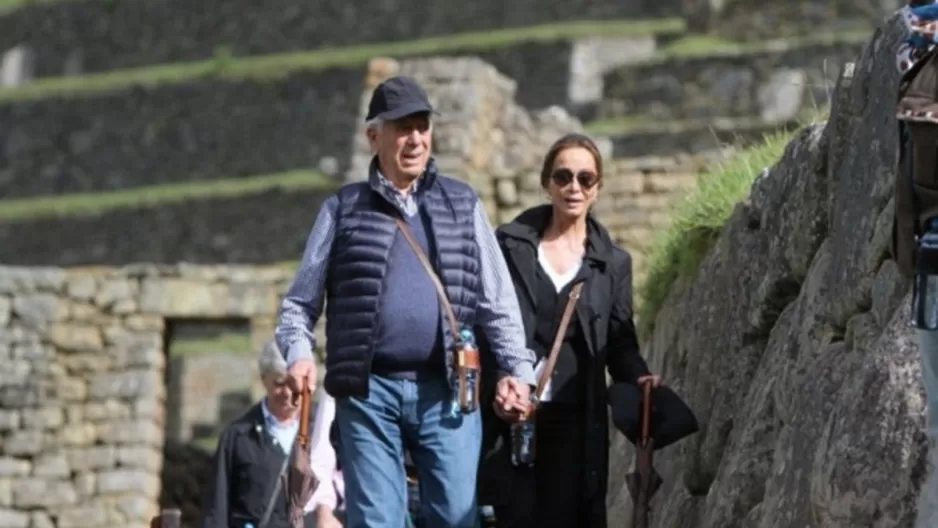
(606, 315)
(247, 465)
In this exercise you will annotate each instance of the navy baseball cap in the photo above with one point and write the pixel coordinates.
(398, 97)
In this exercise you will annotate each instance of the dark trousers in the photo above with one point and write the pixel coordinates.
(550, 495)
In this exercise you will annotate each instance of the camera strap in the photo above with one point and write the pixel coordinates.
(440, 290)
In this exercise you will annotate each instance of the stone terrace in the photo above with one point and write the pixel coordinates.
(171, 157)
(483, 136)
(84, 36)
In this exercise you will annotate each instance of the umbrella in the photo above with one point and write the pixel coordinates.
(300, 481)
(644, 481)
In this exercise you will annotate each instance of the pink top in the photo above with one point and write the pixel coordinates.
(323, 458)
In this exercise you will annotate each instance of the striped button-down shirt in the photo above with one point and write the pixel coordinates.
(498, 312)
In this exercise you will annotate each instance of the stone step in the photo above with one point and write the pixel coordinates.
(695, 137)
(772, 81)
(166, 224)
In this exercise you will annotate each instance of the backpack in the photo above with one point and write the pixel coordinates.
(916, 186)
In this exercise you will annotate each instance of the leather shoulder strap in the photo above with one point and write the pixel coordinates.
(558, 340)
(440, 291)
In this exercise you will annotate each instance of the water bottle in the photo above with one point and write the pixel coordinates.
(487, 516)
(413, 498)
(465, 375)
(522, 442)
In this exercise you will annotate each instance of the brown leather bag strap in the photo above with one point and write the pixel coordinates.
(440, 291)
(558, 340)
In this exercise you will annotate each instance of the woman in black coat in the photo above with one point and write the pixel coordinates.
(549, 249)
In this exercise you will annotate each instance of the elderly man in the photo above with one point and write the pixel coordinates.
(387, 340)
(252, 453)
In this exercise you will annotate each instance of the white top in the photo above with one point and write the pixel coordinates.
(284, 433)
(559, 279)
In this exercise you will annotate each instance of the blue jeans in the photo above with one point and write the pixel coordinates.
(372, 436)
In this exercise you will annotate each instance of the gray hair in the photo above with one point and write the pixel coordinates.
(376, 123)
(271, 360)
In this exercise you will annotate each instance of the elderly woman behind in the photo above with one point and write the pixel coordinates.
(326, 501)
(251, 455)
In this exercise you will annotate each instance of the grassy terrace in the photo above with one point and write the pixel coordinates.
(645, 125)
(71, 205)
(696, 221)
(283, 64)
(12, 5)
(229, 342)
(704, 46)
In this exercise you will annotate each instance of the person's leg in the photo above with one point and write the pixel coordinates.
(372, 455)
(559, 466)
(446, 452)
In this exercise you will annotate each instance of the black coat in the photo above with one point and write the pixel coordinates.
(247, 465)
(605, 314)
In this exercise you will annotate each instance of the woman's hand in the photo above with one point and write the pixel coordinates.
(511, 409)
(655, 380)
(326, 519)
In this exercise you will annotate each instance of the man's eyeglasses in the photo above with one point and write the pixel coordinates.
(563, 177)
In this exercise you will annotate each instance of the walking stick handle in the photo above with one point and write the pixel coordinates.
(305, 398)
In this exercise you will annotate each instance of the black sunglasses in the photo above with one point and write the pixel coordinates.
(563, 177)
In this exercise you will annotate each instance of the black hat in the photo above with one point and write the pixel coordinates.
(398, 97)
(671, 418)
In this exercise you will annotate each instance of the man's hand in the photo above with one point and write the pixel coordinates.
(655, 380)
(326, 519)
(511, 399)
(302, 371)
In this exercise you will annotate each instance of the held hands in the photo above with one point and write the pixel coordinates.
(326, 519)
(302, 370)
(512, 399)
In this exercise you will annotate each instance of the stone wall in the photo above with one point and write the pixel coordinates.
(770, 85)
(748, 19)
(197, 131)
(82, 386)
(207, 391)
(229, 128)
(793, 343)
(95, 36)
(265, 227)
(697, 137)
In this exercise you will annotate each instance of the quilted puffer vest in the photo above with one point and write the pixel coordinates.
(365, 232)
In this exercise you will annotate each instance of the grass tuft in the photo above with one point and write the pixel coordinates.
(225, 343)
(78, 204)
(696, 222)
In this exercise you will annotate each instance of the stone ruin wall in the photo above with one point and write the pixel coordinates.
(82, 387)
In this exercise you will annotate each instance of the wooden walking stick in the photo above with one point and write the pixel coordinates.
(644, 481)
